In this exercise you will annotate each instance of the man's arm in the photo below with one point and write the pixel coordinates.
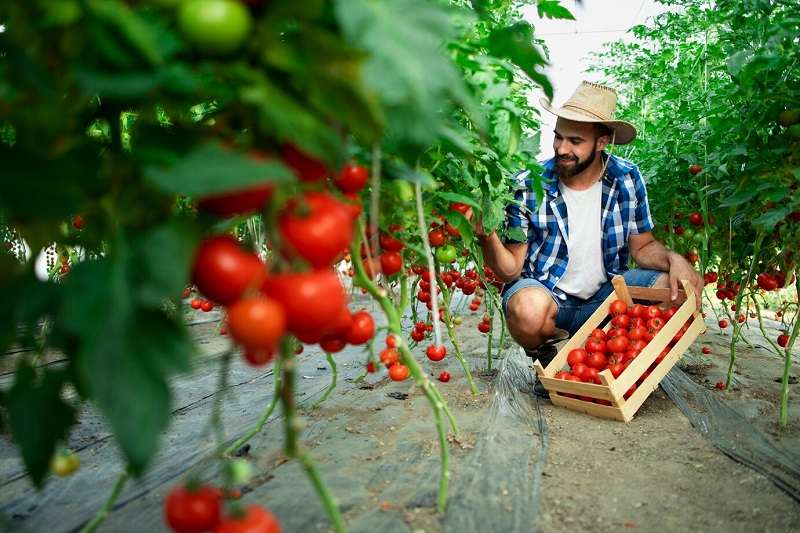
(649, 253)
(505, 260)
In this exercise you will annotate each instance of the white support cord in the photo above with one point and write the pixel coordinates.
(423, 231)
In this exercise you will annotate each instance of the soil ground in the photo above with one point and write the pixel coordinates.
(518, 464)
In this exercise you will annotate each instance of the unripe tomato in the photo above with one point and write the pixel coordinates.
(215, 27)
(65, 463)
(446, 254)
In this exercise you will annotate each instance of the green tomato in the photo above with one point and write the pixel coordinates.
(446, 253)
(698, 237)
(239, 471)
(403, 190)
(64, 463)
(215, 27)
(688, 234)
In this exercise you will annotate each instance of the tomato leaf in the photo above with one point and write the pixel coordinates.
(516, 44)
(40, 393)
(553, 10)
(457, 197)
(131, 26)
(165, 260)
(462, 224)
(210, 169)
(123, 358)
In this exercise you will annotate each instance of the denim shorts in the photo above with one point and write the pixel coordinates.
(574, 311)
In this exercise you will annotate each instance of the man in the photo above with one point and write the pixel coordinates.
(593, 216)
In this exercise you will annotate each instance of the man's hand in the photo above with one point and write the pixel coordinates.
(477, 223)
(679, 268)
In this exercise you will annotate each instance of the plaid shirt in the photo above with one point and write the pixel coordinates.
(625, 211)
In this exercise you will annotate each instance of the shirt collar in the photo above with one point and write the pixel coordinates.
(616, 169)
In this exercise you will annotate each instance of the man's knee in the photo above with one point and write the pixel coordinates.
(531, 315)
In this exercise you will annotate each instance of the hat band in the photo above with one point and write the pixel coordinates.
(585, 110)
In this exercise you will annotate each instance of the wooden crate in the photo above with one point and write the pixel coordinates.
(614, 389)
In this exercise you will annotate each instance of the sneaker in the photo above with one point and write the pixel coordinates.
(546, 351)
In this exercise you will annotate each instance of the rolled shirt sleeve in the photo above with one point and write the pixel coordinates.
(643, 219)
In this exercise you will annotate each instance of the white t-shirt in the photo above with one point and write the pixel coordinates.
(585, 270)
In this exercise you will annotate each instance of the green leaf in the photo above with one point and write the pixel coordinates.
(517, 234)
(128, 24)
(516, 44)
(125, 353)
(210, 169)
(772, 218)
(553, 10)
(462, 224)
(457, 197)
(37, 436)
(165, 261)
(740, 197)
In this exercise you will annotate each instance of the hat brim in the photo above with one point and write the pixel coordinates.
(625, 132)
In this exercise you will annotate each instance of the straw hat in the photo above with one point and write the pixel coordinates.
(594, 103)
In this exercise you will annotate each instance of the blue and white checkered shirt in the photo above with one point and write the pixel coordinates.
(625, 211)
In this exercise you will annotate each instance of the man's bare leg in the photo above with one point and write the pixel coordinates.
(531, 317)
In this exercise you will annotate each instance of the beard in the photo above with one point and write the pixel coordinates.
(567, 166)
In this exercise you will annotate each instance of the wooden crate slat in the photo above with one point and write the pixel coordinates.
(653, 349)
(621, 290)
(655, 294)
(650, 383)
(594, 409)
(576, 387)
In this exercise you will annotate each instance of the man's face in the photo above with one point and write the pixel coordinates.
(575, 147)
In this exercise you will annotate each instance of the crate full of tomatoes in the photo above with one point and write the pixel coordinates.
(623, 351)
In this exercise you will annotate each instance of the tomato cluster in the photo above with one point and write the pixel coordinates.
(630, 331)
(485, 325)
(193, 509)
(307, 300)
(390, 357)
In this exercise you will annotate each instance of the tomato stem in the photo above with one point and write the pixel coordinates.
(276, 369)
(332, 386)
(787, 365)
(448, 320)
(105, 511)
(292, 428)
(423, 232)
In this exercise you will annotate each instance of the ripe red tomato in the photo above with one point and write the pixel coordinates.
(637, 333)
(398, 372)
(362, 328)
(257, 322)
(637, 311)
(391, 263)
(595, 345)
(352, 178)
(469, 287)
(390, 243)
(206, 306)
(638, 344)
(389, 357)
(669, 313)
(444, 376)
(696, 218)
(78, 223)
(629, 355)
(654, 325)
(458, 206)
(616, 369)
(695, 169)
(436, 353)
(591, 375)
(310, 300)
(237, 202)
(783, 340)
(652, 311)
(192, 511)
(618, 344)
(706, 350)
(596, 360)
(436, 237)
(370, 367)
(196, 303)
(391, 341)
(332, 344)
(621, 321)
(578, 355)
(223, 271)
(305, 167)
(599, 334)
(579, 369)
(257, 519)
(638, 322)
(484, 327)
(318, 229)
(561, 374)
(417, 335)
(617, 332)
(618, 307)
(259, 356)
